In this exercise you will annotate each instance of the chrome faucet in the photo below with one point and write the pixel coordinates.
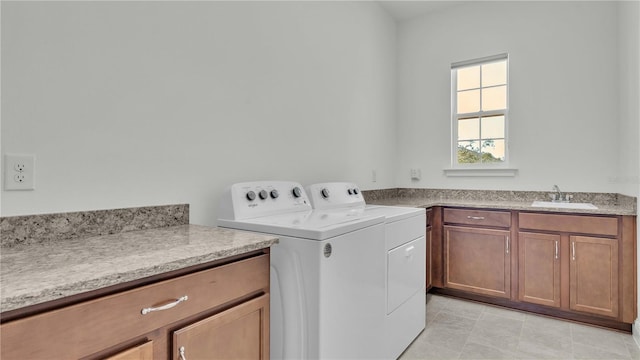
(558, 194)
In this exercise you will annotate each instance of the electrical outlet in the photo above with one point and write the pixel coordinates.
(19, 172)
(416, 174)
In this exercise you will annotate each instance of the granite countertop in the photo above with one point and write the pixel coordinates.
(603, 209)
(34, 273)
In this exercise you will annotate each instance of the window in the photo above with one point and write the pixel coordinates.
(480, 111)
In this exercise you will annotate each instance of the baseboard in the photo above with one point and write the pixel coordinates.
(635, 330)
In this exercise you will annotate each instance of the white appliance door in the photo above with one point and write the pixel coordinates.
(352, 296)
(406, 274)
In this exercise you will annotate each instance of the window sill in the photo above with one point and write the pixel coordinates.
(484, 172)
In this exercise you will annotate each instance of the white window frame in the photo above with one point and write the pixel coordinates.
(455, 116)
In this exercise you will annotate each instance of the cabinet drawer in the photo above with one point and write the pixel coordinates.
(478, 217)
(88, 327)
(597, 225)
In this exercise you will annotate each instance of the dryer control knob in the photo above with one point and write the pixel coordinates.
(274, 194)
(263, 194)
(296, 192)
(251, 196)
(325, 193)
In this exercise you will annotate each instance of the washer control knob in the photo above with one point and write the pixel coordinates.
(325, 193)
(263, 194)
(296, 192)
(251, 196)
(350, 191)
(274, 194)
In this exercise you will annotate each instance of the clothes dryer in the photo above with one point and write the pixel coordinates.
(405, 259)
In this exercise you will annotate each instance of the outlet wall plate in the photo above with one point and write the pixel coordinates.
(19, 172)
(416, 174)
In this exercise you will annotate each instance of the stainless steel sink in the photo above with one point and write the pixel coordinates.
(564, 205)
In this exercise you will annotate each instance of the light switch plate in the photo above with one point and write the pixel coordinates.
(19, 172)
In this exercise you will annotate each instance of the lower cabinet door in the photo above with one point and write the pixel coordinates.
(594, 275)
(140, 352)
(478, 260)
(241, 332)
(539, 268)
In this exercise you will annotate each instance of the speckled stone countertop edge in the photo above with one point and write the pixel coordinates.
(500, 205)
(25, 283)
(607, 203)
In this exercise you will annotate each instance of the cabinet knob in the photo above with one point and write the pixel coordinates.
(181, 353)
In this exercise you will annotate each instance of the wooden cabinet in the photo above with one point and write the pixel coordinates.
(238, 333)
(478, 260)
(574, 266)
(594, 275)
(436, 254)
(137, 323)
(428, 239)
(539, 268)
(589, 263)
(140, 352)
(477, 251)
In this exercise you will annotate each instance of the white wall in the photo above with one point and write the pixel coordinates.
(134, 104)
(629, 78)
(563, 125)
(629, 93)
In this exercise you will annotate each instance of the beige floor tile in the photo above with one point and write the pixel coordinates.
(607, 340)
(497, 331)
(449, 338)
(547, 324)
(421, 349)
(534, 350)
(511, 314)
(474, 350)
(465, 309)
(545, 339)
(584, 352)
(458, 329)
(632, 346)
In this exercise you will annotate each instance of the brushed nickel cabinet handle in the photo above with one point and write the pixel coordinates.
(556, 257)
(475, 217)
(145, 311)
(573, 252)
(507, 243)
(181, 353)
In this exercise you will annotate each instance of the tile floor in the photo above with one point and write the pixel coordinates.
(458, 329)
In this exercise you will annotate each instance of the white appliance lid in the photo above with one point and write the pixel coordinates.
(312, 224)
(393, 213)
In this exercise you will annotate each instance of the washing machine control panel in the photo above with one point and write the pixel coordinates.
(260, 198)
(334, 195)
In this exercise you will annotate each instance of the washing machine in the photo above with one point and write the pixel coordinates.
(327, 293)
(405, 259)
